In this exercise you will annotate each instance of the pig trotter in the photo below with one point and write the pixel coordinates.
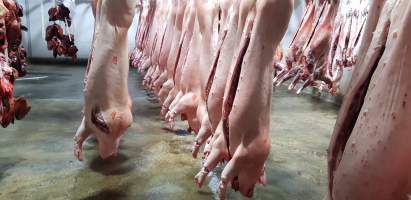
(81, 135)
(201, 176)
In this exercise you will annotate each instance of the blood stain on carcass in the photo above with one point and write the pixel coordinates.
(365, 112)
(394, 35)
(113, 115)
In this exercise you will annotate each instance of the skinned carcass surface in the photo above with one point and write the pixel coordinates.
(369, 153)
(174, 55)
(183, 49)
(235, 41)
(241, 137)
(193, 102)
(165, 48)
(107, 109)
(230, 37)
(160, 25)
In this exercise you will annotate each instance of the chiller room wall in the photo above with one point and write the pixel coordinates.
(36, 20)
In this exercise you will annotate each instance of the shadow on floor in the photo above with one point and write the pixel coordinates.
(115, 165)
(178, 132)
(7, 163)
(107, 195)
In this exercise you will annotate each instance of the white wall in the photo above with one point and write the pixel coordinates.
(36, 20)
(294, 22)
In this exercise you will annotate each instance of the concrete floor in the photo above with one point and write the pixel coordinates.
(36, 159)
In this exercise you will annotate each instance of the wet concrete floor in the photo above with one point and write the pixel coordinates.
(36, 154)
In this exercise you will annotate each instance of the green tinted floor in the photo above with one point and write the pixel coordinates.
(36, 154)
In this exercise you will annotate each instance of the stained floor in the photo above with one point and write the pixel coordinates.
(36, 158)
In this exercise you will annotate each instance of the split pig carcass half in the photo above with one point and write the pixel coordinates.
(241, 138)
(192, 103)
(229, 39)
(325, 43)
(107, 109)
(369, 152)
(138, 55)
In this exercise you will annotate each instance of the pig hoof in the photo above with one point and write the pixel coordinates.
(171, 124)
(201, 176)
(263, 178)
(222, 189)
(206, 154)
(170, 119)
(195, 148)
(78, 149)
(163, 111)
(78, 152)
(250, 193)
